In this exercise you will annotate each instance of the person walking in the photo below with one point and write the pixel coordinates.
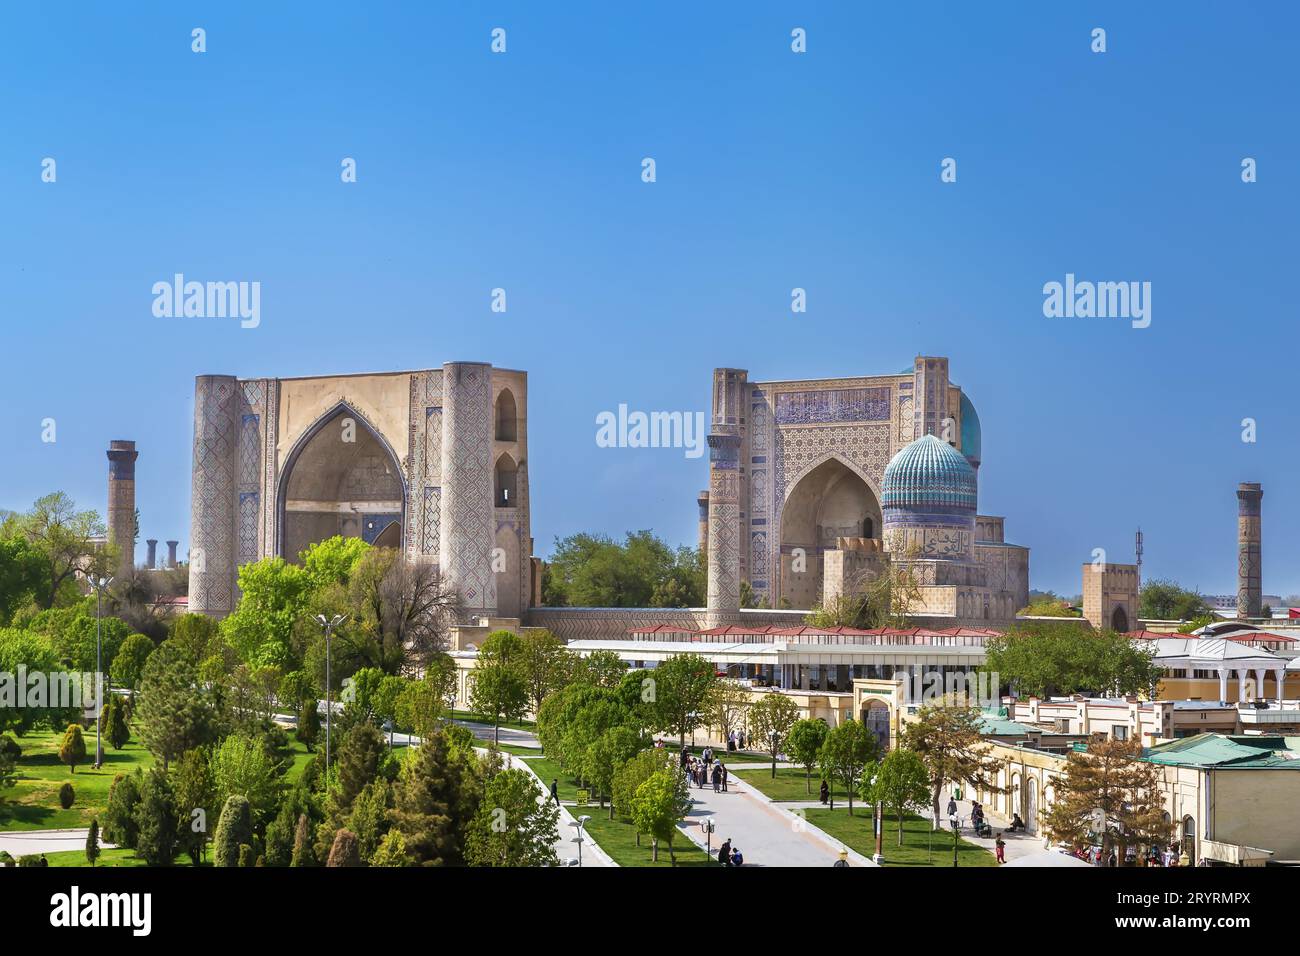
(555, 791)
(843, 860)
(1001, 849)
(724, 778)
(825, 792)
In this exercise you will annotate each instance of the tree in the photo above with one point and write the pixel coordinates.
(401, 611)
(512, 828)
(804, 742)
(369, 817)
(630, 776)
(725, 706)
(196, 801)
(546, 664)
(601, 669)
(73, 749)
(392, 851)
(592, 570)
(344, 852)
(606, 754)
(770, 720)
(682, 685)
(23, 649)
(499, 688)
(1043, 659)
(114, 717)
(434, 803)
(847, 749)
(62, 536)
(24, 575)
(242, 766)
(423, 703)
(1164, 600)
(234, 829)
(307, 729)
(173, 712)
(130, 660)
(899, 783)
(119, 813)
(67, 796)
(946, 736)
(274, 597)
(9, 754)
(659, 805)
(1109, 792)
(359, 758)
(155, 817)
(304, 854)
(92, 842)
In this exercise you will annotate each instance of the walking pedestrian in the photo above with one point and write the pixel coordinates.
(1001, 849)
(555, 791)
(724, 778)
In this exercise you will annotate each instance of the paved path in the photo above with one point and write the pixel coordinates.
(765, 833)
(515, 738)
(23, 842)
(566, 849)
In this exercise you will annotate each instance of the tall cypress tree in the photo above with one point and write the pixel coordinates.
(434, 805)
(156, 820)
(233, 830)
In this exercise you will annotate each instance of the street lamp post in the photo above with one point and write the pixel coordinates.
(578, 824)
(328, 624)
(956, 826)
(99, 583)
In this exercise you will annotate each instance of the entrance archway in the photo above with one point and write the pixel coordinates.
(875, 717)
(1119, 620)
(829, 502)
(341, 479)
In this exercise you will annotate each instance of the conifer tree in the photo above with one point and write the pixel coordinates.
(344, 852)
(433, 804)
(155, 817)
(73, 749)
(92, 842)
(304, 853)
(235, 828)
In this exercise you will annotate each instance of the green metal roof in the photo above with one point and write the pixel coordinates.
(1218, 750)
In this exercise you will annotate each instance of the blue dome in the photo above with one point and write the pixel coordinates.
(970, 431)
(927, 474)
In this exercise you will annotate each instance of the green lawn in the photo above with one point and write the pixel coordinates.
(790, 785)
(616, 837)
(856, 831)
(119, 857)
(33, 803)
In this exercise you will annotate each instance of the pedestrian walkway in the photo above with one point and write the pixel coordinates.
(25, 842)
(765, 833)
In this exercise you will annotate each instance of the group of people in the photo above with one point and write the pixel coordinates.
(704, 770)
(736, 740)
(729, 855)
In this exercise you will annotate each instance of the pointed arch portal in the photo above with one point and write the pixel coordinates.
(342, 478)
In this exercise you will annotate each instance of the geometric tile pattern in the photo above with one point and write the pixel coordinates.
(833, 405)
(467, 501)
(212, 494)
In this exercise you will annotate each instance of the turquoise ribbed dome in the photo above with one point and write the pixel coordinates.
(929, 473)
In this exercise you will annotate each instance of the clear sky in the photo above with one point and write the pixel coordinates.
(775, 170)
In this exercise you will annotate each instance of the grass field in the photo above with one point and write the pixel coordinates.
(33, 803)
(789, 785)
(480, 719)
(920, 846)
(123, 857)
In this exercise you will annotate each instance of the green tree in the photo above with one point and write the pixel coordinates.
(234, 829)
(62, 536)
(770, 721)
(601, 669)
(392, 851)
(274, 597)
(725, 707)
(589, 570)
(119, 813)
(73, 749)
(369, 818)
(546, 665)
(804, 742)
(23, 649)
(512, 828)
(9, 753)
(1164, 600)
(682, 686)
(129, 663)
(433, 803)
(946, 736)
(500, 689)
(116, 728)
(24, 575)
(241, 766)
(331, 563)
(629, 777)
(155, 817)
(1044, 659)
(606, 754)
(847, 750)
(899, 783)
(92, 842)
(173, 711)
(660, 803)
(196, 802)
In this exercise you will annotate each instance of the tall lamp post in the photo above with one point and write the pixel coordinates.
(328, 623)
(956, 827)
(100, 583)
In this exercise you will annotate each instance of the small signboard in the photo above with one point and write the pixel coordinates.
(584, 796)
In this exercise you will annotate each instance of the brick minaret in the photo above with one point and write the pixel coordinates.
(151, 554)
(703, 502)
(1249, 565)
(171, 553)
(725, 529)
(121, 500)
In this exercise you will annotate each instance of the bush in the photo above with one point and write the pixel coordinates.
(67, 796)
(10, 748)
(120, 826)
(234, 829)
(73, 749)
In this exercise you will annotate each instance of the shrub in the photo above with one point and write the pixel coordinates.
(73, 749)
(344, 852)
(120, 826)
(67, 796)
(234, 829)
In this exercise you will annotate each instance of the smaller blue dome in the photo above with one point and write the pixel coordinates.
(929, 473)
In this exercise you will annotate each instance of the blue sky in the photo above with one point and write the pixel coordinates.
(775, 170)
